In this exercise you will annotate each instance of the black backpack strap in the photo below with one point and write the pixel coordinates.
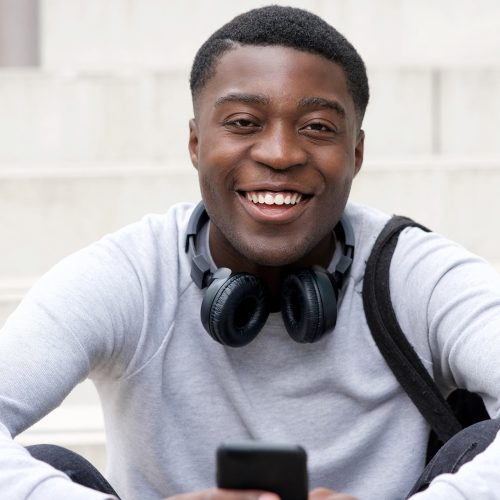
(392, 342)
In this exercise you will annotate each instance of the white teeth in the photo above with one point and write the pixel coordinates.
(271, 198)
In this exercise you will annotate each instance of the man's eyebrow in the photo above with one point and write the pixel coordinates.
(244, 98)
(323, 103)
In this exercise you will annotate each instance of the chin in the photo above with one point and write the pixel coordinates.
(270, 261)
(276, 257)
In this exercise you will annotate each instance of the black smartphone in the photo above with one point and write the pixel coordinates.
(255, 465)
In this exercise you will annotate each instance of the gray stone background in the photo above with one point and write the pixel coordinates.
(94, 106)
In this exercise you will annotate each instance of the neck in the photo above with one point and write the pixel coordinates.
(272, 276)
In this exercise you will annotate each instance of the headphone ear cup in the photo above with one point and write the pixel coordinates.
(235, 309)
(308, 304)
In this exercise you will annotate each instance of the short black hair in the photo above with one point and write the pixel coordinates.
(288, 27)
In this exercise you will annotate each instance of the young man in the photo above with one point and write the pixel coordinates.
(279, 98)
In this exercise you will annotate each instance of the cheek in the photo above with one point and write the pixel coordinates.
(216, 192)
(208, 185)
(341, 188)
(337, 191)
(219, 170)
(338, 171)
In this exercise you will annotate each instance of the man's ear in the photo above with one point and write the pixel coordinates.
(359, 151)
(193, 142)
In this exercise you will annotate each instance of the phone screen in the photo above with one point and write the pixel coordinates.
(255, 465)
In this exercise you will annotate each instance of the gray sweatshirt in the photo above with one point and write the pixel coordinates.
(125, 313)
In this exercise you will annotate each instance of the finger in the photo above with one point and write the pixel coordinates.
(219, 494)
(326, 494)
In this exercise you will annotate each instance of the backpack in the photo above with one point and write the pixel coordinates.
(446, 417)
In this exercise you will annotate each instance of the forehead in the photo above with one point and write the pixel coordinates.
(282, 74)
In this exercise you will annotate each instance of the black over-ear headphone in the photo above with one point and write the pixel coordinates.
(236, 305)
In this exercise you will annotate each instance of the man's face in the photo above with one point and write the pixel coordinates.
(276, 144)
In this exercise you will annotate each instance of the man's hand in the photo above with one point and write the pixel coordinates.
(218, 494)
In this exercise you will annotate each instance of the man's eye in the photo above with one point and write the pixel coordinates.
(320, 127)
(242, 123)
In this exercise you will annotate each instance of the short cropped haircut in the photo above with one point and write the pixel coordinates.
(287, 27)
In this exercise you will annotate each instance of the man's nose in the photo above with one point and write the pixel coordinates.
(279, 147)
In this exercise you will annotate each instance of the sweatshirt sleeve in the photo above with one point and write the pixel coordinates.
(447, 301)
(81, 319)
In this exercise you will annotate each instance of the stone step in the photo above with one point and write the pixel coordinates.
(92, 34)
(51, 118)
(456, 198)
(11, 292)
(65, 117)
(421, 112)
(47, 214)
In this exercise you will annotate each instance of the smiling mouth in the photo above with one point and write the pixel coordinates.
(274, 198)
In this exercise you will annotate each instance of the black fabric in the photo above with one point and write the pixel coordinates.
(468, 408)
(77, 468)
(390, 339)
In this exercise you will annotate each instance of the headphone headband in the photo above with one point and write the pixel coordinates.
(345, 262)
(200, 268)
